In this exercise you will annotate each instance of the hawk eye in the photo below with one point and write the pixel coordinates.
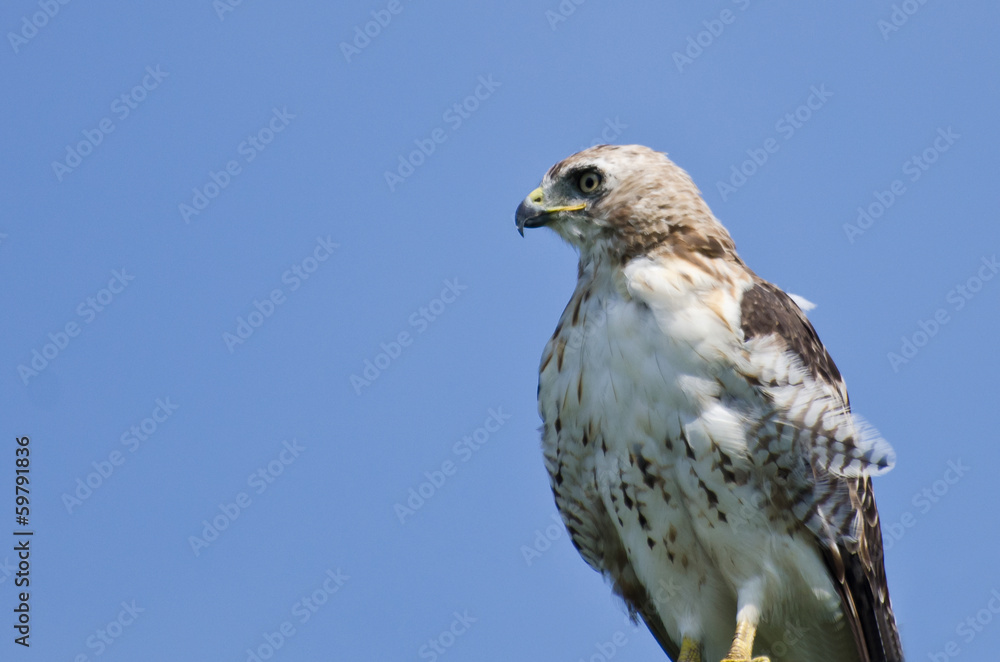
(589, 181)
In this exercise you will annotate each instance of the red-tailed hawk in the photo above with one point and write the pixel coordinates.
(697, 433)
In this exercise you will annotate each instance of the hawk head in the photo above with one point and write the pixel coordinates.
(624, 201)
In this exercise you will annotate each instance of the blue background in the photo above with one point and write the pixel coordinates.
(480, 545)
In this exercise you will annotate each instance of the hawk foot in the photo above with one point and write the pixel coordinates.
(742, 648)
(690, 651)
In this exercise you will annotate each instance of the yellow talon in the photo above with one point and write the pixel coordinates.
(742, 647)
(690, 651)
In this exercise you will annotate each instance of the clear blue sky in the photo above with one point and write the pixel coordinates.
(199, 239)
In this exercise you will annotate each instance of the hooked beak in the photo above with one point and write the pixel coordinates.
(532, 213)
